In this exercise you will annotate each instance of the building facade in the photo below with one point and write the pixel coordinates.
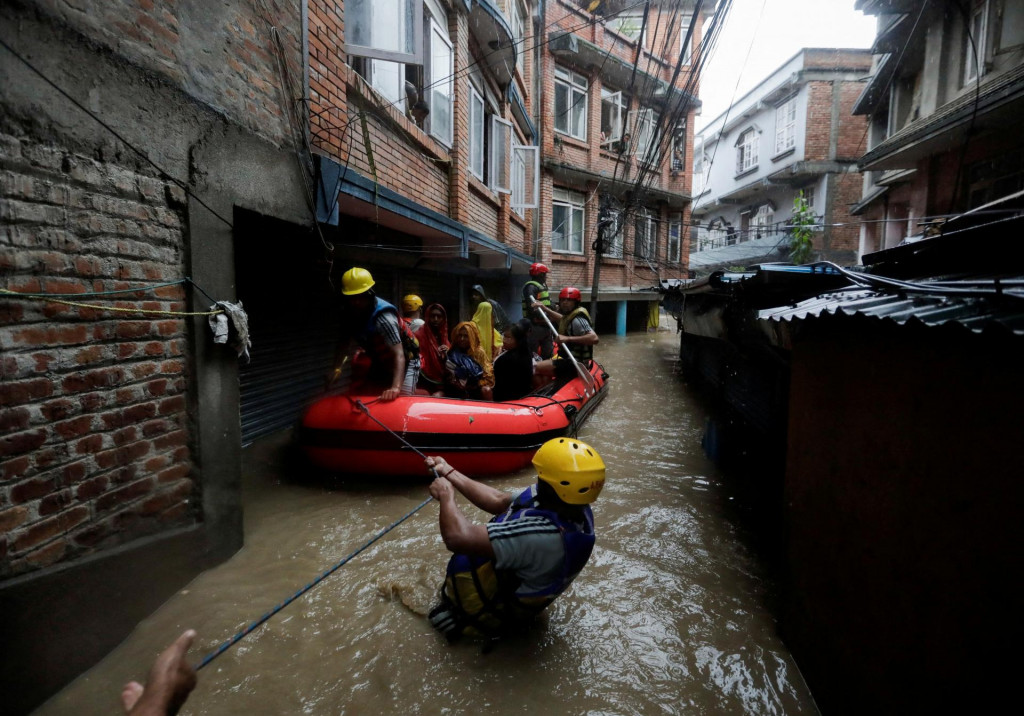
(946, 88)
(793, 135)
(157, 159)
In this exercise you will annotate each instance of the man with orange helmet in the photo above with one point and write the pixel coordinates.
(505, 572)
(575, 333)
(536, 291)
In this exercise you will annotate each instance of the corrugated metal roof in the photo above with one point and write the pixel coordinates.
(975, 314)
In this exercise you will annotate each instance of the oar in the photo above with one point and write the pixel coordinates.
(584, 375)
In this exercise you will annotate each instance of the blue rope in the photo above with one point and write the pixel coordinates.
(256, 624)
(252, 627)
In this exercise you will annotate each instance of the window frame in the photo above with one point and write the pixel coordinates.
(645, 120)
(477, 146)
(411, 53)
(572, 202)
(746, 157)
(975, 69)
(615, 25)
(649, 246)
(685, 48)
(573, 83)
(675, 221)
(517, 22)
(785, 125)
(620, 101)
(519, 201)
(449, 78)
(762, 219)
(500, 154)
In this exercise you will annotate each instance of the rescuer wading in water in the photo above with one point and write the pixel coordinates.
(504, 573)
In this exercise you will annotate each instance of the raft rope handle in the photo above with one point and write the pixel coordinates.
(256, 624)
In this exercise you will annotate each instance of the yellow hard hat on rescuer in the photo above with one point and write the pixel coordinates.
(573, 469)
(356, 280)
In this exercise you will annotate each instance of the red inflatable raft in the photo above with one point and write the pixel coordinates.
(478, 437)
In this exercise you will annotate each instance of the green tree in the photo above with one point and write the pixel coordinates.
(800, 244)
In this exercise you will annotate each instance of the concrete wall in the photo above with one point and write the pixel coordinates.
(902, 506)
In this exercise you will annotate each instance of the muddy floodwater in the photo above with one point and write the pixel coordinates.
(671, 616)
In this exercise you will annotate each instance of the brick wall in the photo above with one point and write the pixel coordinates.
(94, 434)
(221, 54)
(819, 120)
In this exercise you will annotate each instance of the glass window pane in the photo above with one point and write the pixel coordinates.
(384, 29)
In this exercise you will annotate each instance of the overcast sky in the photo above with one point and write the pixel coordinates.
(772, 37)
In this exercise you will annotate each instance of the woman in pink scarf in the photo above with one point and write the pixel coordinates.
(434, 345)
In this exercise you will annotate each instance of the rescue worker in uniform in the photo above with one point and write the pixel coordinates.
(412, 306)
(536, 291)
(504, 573)
(373, 324)
(575, 334)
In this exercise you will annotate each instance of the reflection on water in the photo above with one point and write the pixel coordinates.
(670, 615)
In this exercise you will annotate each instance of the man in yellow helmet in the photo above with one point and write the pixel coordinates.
(505, 572)
(373, 324)
(412, 311)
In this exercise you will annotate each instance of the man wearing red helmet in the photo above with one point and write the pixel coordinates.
(575, 333)
(536, 291)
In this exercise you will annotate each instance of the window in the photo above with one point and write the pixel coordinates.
(679, 147)
(785, 126)
(701, 165)
(476, 133)
(645, 135)
(974, 52)
(718, 234)
(440, 85)
(762, 222)
(628, 24)
(746, 151)
(385, 29)
(685, 44)
(567, 216)
(645, 235)
(501, 143)
(613, 234)
(614, 106)
(570, 103)
(675, 237)
(525, 177)
(808, 194)
(517, 20)
(388, 78)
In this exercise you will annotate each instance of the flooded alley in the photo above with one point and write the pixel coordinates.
(670, 616)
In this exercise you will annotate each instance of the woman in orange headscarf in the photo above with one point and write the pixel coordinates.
(468, 371)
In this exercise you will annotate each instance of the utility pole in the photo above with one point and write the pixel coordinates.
(604, 220)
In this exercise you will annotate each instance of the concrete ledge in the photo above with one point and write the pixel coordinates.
(59, 623)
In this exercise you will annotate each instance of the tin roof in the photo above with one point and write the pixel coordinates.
(977, 313)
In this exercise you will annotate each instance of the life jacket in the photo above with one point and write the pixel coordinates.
(543, 297)
(486, 600)
(378, 348)
(579, 352)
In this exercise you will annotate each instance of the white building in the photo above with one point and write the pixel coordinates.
(794, 132)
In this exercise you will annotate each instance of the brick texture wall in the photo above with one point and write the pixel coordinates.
(94, 428)
(93, 435)
(219, 53)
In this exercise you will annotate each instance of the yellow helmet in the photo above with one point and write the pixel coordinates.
(572, 468)
(356, 280)
(412, 302)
